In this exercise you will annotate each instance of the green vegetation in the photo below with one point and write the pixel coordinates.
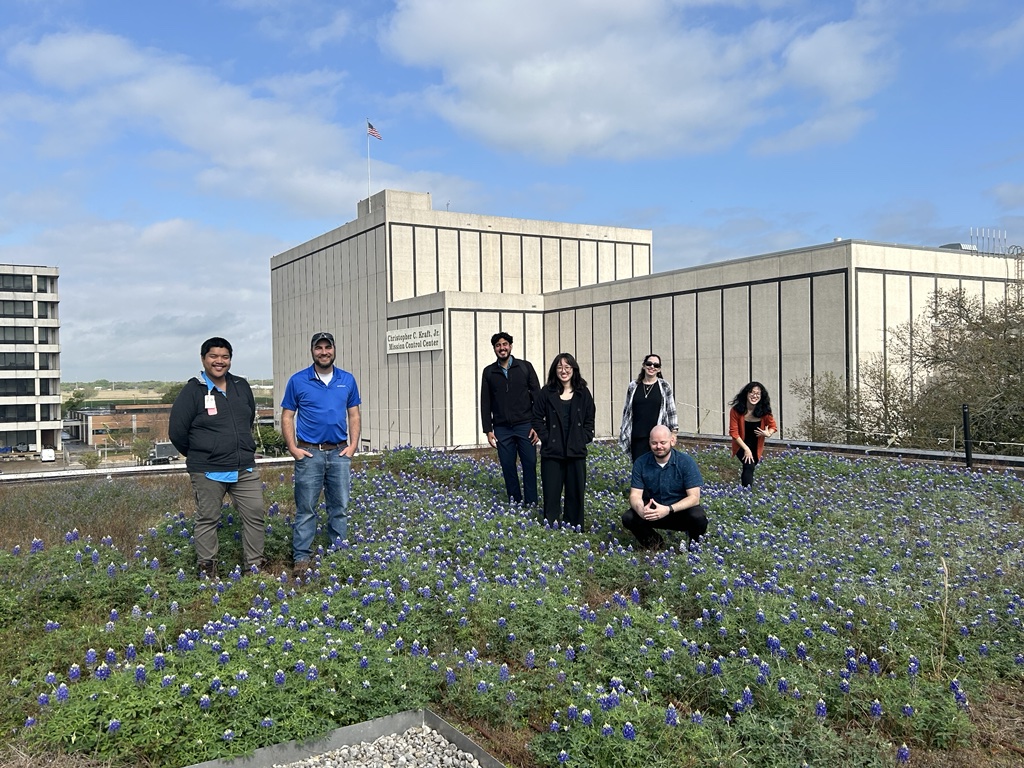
(843, 611)
(962, 351)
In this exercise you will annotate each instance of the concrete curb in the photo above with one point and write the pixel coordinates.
(368, 731)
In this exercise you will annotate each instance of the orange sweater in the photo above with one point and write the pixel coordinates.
(736, 427)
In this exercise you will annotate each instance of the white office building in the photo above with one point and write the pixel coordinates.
(30, 416)
(413, 296)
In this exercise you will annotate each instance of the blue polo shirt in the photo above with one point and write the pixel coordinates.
(321, 410)
(668, 484)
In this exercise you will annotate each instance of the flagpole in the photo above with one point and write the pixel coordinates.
(369, 203)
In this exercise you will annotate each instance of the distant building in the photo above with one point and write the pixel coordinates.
(29, 358)
(413, 295)
(120, 424)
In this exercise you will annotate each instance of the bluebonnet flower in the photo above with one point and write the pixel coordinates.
(90, 657)
(554, 727)
(586, 718)
(267, 722)
(820, 710)
(74, 672)
(44, 699)
(449, 676)
(607, 730)
(908, 710)
(671, 716)
(279, 677)
(696, 717)
(563, 756)
(29, 722)
(628, 731)
(204, 701)
(572, 713)
(228, 735)
(903, 754)
(114, 726)
(876, 709)
(51, 678)
(63, 693)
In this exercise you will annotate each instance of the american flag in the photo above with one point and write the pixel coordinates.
(373, 131)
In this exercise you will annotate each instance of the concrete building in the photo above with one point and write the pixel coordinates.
(29, 358)
(413, 296)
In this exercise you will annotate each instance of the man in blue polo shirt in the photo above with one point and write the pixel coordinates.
(664, 492)
(320, 421)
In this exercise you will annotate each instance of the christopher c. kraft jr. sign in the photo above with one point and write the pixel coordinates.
(423, 338)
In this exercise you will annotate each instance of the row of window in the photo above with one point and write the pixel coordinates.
(23, 283)
(27, 387)
(14, 308)
(26, 335)
(25, 361)
(13, 413)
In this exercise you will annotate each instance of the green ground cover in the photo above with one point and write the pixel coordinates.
(845, 612)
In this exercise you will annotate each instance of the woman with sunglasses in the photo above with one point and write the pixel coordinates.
(649, 402)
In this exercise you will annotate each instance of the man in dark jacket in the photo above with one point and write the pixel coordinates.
(211, 426)
(507, 390)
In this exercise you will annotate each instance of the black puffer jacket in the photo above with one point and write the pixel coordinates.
(548, 424)
(219, 443)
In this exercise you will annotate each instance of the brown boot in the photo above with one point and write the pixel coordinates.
(208, 568)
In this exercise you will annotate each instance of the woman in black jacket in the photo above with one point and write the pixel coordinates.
(563, 418)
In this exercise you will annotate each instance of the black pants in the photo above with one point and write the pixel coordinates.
(693, 522)
(747, 471)
(570, 474)
(639, 446)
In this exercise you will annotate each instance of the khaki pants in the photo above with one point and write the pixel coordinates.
(247, 498)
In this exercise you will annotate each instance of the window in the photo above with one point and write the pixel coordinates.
(16, 283)
(15, 309)
(16, 335)
(49, 386)
(10, 413)
(17, 361)
(16, 387)
(48, 361)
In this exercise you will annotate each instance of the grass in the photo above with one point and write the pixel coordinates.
(841, 612)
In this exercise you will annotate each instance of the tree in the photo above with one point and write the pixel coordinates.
(76, 400)
(172, 392)
(140, 449)
(961, 351)
(90, 459)
(269, 441)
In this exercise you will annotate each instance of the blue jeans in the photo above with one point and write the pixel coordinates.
(512, 441)
(330, 472)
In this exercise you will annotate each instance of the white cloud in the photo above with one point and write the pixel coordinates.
(244, 146)
(1003, 45)
(338, 28)
(626, 80)
(1009, 196)
(142, 299)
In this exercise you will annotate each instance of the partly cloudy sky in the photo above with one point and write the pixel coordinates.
(161, 153)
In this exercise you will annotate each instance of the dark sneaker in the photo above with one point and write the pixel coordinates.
(300, 569)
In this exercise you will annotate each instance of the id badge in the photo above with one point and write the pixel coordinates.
(211, 405)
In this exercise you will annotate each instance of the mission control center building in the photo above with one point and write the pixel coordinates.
(413, 295)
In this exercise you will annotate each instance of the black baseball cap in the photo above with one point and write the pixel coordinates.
(322, 336)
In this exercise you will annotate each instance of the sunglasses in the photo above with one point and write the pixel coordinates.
(649, 364)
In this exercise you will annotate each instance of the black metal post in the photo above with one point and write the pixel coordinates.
(967, 435)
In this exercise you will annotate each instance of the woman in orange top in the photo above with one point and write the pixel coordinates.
(750, 422)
